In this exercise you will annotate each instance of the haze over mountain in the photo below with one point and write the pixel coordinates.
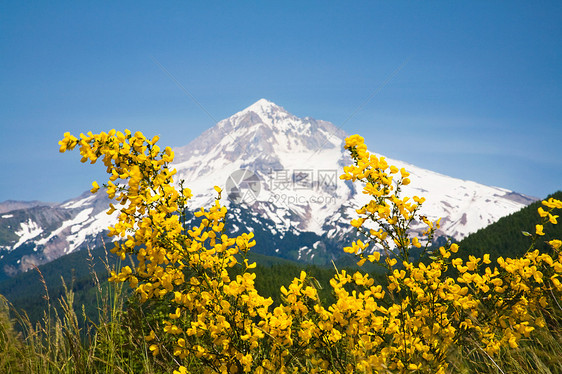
(281, 177)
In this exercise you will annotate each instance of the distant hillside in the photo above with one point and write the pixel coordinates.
(26, 291)
(9, 205)
(505, 238)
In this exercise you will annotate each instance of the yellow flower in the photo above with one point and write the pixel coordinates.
(391, 262)
(375, 257)
(181, 370)
(175, 315)
(362, 262)
(249, 266)
(357, 222)
(556, 244)
(150, 336)
(353, 141)
(539, 230)
(552, 203)
(95, 187)
(444, 253)
(154, 349)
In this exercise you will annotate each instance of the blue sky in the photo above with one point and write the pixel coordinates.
(468, 89)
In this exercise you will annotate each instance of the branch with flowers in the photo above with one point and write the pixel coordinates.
(216, 322)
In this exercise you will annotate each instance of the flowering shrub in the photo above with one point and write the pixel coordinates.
(216, 322)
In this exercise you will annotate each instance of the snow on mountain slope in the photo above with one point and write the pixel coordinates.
(464, 206)
(279, 147)
(282, 174)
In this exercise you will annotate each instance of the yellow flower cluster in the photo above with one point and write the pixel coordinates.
(390, 215)
(495, 306)
(185, 266)
(216, 322)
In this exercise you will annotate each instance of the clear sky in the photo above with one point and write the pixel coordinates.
(468, 89)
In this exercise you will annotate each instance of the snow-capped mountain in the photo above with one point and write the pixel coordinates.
(298, 162)
(281, 175)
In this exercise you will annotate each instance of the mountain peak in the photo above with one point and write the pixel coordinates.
(269, 127)
(264, 106)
